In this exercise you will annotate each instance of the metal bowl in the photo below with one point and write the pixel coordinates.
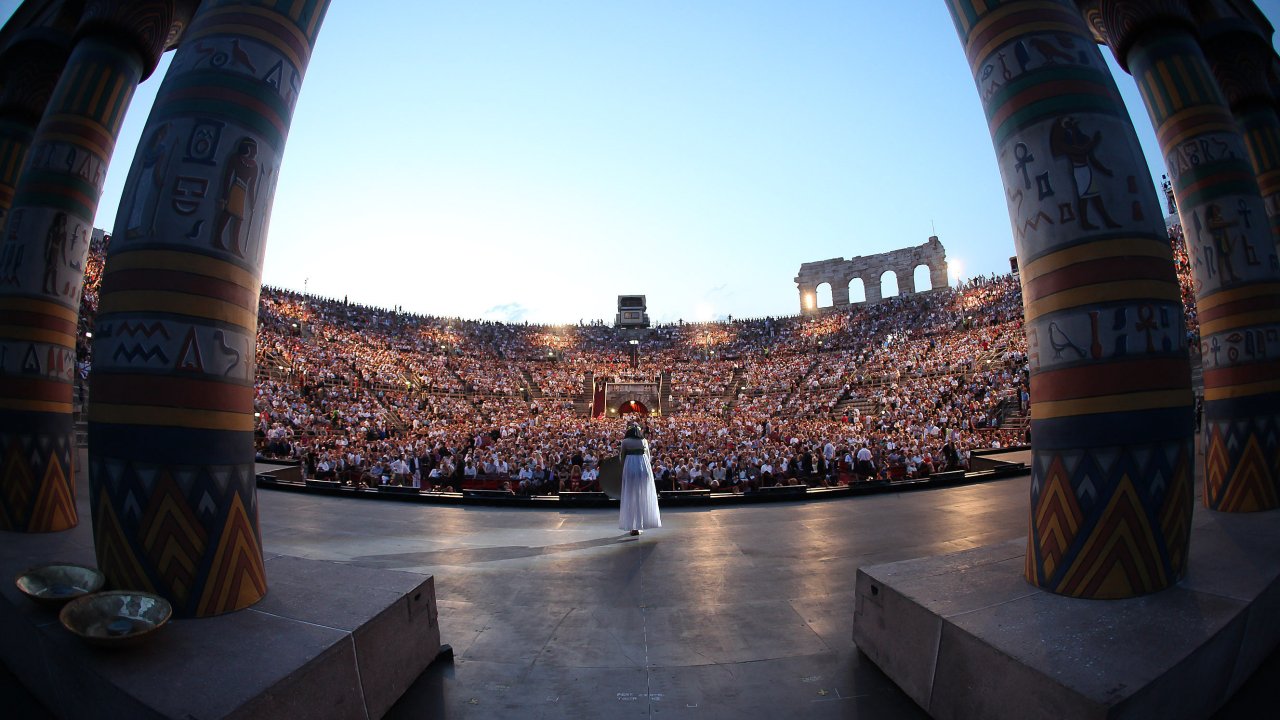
(116, 619)
(55, 584)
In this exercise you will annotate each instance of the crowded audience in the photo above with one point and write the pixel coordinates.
(902, 389)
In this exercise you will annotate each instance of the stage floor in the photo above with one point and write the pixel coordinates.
(733, 612)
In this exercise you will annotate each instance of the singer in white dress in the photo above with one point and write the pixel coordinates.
(638, 502)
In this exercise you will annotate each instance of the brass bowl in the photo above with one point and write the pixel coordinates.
(116, 619)
(55, 584)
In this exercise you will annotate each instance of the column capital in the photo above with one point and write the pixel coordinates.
(1237, 44)
(29, 70)
(142, 25)
(1119, 23)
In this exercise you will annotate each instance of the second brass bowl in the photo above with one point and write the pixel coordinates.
(116, 619)
(56, 584)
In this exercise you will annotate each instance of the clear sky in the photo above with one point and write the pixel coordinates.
(518, 160)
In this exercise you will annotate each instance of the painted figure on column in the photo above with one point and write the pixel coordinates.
(55, 252)
(1223, 245)
(155, 159)
(1068, 141)
(239, 195)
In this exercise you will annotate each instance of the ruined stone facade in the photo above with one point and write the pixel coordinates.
(870, 268)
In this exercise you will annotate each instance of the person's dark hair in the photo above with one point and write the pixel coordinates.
(634, 431)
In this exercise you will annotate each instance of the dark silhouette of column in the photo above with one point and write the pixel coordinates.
(46, 241)
(1111, 401)
(171, 459)
(29, 69)
(1238, 48)
(1237, 276)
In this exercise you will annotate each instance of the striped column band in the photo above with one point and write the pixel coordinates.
(171, 413)
(1111, 402)
(1237, 276)
(46, 242)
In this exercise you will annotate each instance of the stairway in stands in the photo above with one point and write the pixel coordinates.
(786, 401)
(735, 390)
(531, 388)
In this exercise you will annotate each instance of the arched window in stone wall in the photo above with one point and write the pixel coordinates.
(922, 283)
(888, 284)
(823, 295)
(857, 291)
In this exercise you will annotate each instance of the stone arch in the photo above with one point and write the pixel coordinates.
(856, 290)
(822, 295)
(889, 285)
(920, 279)
(902, 262)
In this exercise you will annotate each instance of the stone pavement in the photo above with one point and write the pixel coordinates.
(727, 613)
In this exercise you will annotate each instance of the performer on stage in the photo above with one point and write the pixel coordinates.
(639, 497)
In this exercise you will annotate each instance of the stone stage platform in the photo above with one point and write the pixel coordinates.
(725, 612)
(967, 637)
(329, 640)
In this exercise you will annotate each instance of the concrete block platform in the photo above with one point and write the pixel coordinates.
(329, 640)
(965, 636)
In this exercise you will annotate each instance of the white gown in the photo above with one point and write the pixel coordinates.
(639, 498)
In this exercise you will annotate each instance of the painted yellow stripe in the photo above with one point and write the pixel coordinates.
(1152, 94)
(1190, 76)
(1020, 31)
(1003, 12)
(1127, 402)
(261, 36)
(185, 262)
(17, 332)
(314, 23)
(1228, 296)
(213, 26)
(1104, 292)
(117, 117)
(169, 417)
(36, 406)
(182, 303)
(1125, 247)
(91, 126)
(98, 91)
(1215, 120)
(1246, 390)
(1232, 322)
(39, 306)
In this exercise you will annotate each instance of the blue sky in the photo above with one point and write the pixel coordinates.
(531, 161)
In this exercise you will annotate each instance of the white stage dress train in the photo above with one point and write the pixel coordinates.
(639, 497)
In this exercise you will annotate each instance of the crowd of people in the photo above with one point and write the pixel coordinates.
(904, 388)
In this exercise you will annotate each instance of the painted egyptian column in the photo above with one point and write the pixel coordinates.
(1234, 262)
(1239, 52)
(1111, 401)
(171, 457)
(30, 68)
(46, 241)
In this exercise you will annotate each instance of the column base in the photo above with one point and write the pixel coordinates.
(965, 636)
